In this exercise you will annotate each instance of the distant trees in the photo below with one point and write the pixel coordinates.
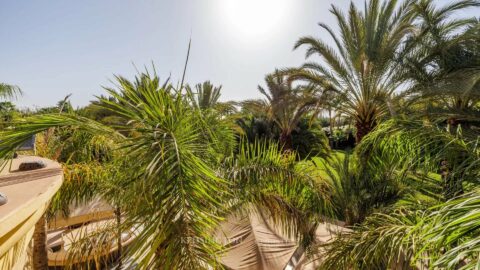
(287, 104)
(7, 108)
(7, 111)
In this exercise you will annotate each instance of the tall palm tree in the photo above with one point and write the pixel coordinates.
(361, 64)
(286, 104)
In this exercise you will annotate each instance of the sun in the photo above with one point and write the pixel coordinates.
(254, 18)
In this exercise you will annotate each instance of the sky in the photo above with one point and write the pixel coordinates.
(57, 47)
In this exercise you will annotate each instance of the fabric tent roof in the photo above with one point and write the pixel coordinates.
(95, 205)
(95, 209)
(252, 242)
(325, 233)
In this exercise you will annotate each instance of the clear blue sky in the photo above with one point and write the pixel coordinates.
(56, 47)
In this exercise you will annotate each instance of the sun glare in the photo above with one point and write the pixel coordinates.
(254, 18)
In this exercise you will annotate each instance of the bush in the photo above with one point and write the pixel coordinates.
(308, 139)
(342, 139)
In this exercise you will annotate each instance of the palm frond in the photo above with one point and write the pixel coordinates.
(381, 242)
(9, 91)
(264, 176)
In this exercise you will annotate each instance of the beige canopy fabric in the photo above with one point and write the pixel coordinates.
(325, 233)
(95, 209)
(252, 242)
(95, 205)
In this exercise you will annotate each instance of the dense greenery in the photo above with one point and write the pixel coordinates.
(175, 161)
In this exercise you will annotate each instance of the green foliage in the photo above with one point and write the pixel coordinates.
(308, 139)
(343, 138)
(360, 187)
(21, 130)
(206, 95)
(381, 242)
(451, 236)
(8, 91)
(7, 112)
(417, 233)
(441, 64)
(295, 197)
(170, 168)
(72, 146)
(257, 128)
(81, 183)
(97, 113)
(166, 141)
(286, 104)
(443, 237)
(174, 162)
(424, 147)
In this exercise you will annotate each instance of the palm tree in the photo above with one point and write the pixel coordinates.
(361, 66)
(163, 136)
(441, 63)
(286, 104)
(440, 66)
(179, 184)
(359, 187)
(297, 197)
(206, 96)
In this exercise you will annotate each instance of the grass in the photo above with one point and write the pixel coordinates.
(319, 165)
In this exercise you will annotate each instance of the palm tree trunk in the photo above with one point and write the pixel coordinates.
(286, 141)
(40, 258)
(452, 185)
(330, 120)
(363, 128)
(119, 237)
